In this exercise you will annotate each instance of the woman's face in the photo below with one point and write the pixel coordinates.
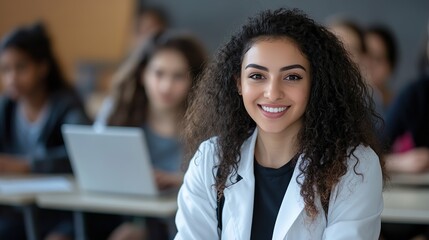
(275, 85)
(378, 67)
(20, 75)
(167, 80)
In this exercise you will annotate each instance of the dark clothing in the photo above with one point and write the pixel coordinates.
(12, 223)
(48, 155)
(410, 113)
(270, 187)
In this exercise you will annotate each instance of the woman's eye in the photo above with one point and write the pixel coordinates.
(256, 76)
(159, 73)
(293, 77)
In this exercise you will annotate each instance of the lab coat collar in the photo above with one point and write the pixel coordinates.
(292, 204)
(239, 196)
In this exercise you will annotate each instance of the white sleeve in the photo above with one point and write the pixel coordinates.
(357, 201)
(196, 215)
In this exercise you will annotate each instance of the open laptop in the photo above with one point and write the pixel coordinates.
(110, 159)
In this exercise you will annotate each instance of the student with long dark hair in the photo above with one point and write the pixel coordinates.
(382, 58)
(36, 102)
(151, 91)
(283, 121)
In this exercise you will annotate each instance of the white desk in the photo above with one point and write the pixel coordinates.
(421, 179)
(406, 199)
(24, 201)
(80, 202)
(17, 200)
(406, 205)
(110, 203)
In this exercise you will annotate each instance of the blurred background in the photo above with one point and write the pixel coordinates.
(103, 48)
(99, 31)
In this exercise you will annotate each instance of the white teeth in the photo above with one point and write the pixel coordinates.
(273, 110)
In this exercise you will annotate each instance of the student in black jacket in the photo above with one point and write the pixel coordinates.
(406, 135)
(36, 102)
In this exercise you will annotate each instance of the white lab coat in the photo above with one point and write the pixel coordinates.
(354, 211)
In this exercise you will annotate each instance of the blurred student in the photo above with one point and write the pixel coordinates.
(407, 135)
(151, 92)
(149, 20)
(36, 102)
(407, 126)
(352, 37)
(381, 60)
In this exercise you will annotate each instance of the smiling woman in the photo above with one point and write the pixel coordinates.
(276, 94)
(290, 144)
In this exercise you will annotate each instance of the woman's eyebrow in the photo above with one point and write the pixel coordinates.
(292, 67)
(252, 65)
(285, 68)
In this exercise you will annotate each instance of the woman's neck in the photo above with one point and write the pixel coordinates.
(276, 149)
(34, 104)
(164, 123)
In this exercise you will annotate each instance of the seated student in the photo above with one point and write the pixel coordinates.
(406, 135)
(381, 60)
(352, 37)
(36, 102)
(407, 129)
(151, 92)
(148, 20)
(281, 133)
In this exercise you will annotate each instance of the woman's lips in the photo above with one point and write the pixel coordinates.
(273, 111)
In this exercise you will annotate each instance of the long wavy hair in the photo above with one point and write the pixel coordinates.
(337, 120)
(129, 95)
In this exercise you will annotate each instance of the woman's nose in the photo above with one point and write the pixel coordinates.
(273, 90)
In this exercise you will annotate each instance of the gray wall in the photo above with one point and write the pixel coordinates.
(214, 21)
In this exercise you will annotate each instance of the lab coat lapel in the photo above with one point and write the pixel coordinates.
(239, 196)
(292, 205)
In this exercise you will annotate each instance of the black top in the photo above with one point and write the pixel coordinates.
(51, 155)
(410, 113)
(270, 187)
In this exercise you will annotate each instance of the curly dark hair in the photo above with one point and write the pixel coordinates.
(129, 95)
(338, 118)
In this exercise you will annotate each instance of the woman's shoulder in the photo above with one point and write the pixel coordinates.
(206, 153)
(363, 151)
(363, 158)
(201, 166)
(363, 169)
(66, 96)
(67, 105)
